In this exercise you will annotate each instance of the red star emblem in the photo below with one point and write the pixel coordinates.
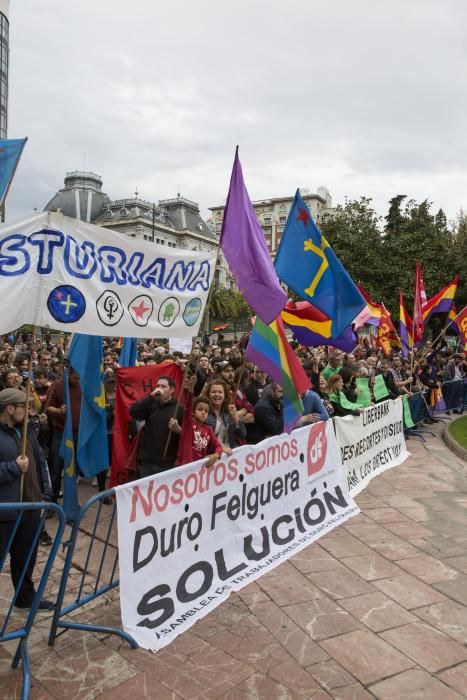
(303, 216)
(141, 309)
(58, 295)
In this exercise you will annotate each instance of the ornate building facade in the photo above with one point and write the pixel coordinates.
(272, 213)
(175, 223)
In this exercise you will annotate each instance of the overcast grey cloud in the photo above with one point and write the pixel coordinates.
(365, 97)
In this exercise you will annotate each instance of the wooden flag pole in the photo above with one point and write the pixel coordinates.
(439, 336)
(179, 399)
(25, 425)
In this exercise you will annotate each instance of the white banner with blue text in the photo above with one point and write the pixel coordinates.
(66, 274)
(371, 443)
(191, 536)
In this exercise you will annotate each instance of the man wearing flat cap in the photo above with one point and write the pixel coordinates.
(36, 487)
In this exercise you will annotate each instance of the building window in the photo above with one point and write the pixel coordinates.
(282, 219)
(267, 220)
(123, 211)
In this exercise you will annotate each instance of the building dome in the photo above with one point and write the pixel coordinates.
(81, 198)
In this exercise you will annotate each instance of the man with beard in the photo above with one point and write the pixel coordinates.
(158, 412)
(269, 413)
(32, 467)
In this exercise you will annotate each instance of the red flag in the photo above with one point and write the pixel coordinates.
(461, 321)
(422, 291)
(418, 324)
(387, 336)
(134, 383)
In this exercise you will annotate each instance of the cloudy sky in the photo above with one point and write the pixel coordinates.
(364, 97)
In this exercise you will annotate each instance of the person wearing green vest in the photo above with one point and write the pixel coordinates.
(342, 395)
(333, 366)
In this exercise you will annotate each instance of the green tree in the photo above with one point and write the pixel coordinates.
(460, 257)
(412, 234)
(219, 302)
(353, 231)
(240, 311)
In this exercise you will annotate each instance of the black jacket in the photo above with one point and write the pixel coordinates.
(155, 432)
(269, 417)
(10, 473)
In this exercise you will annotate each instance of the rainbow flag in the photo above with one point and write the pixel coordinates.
(441, 302)
(269, 349)
(373, 309)
(405, 327)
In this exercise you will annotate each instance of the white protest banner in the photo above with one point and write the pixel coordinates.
(65, 274)
(189, 537)
(371, 443)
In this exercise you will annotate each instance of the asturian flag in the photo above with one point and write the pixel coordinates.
(10, 153)
(86, 357)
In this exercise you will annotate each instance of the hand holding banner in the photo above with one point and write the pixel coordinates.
(364, 396)
(380, 390)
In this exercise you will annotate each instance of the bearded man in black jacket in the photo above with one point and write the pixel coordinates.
(158, 412)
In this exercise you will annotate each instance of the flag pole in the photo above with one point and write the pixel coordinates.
(440, 335)
(25, 425)
(179, 398)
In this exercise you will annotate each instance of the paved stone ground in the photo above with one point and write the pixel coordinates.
(377, 608)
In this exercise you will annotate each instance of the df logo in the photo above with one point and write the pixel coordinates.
(316, 449)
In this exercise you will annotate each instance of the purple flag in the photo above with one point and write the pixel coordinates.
(243, 244)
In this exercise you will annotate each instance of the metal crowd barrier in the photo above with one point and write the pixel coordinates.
(22, 631)
(91, 571)
(419, 412)
(454, 396)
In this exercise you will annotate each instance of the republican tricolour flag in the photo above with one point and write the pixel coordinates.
(86, 357)
(371, 314)
(270, 350)
(313, 328)
(441, 302)
(307, 264)
(405, 327)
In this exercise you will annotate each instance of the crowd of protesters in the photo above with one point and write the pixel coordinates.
(228, 402)
(245, 406)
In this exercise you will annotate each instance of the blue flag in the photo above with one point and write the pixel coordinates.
(67, 452)
(128, 353)
(86, 357)
(307, 264)
(10, 153)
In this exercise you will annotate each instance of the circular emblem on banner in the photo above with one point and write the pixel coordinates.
(316, 449)
(141, 309)
(66, 304)
(169, 311)
(109, 308)
(192, 312)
